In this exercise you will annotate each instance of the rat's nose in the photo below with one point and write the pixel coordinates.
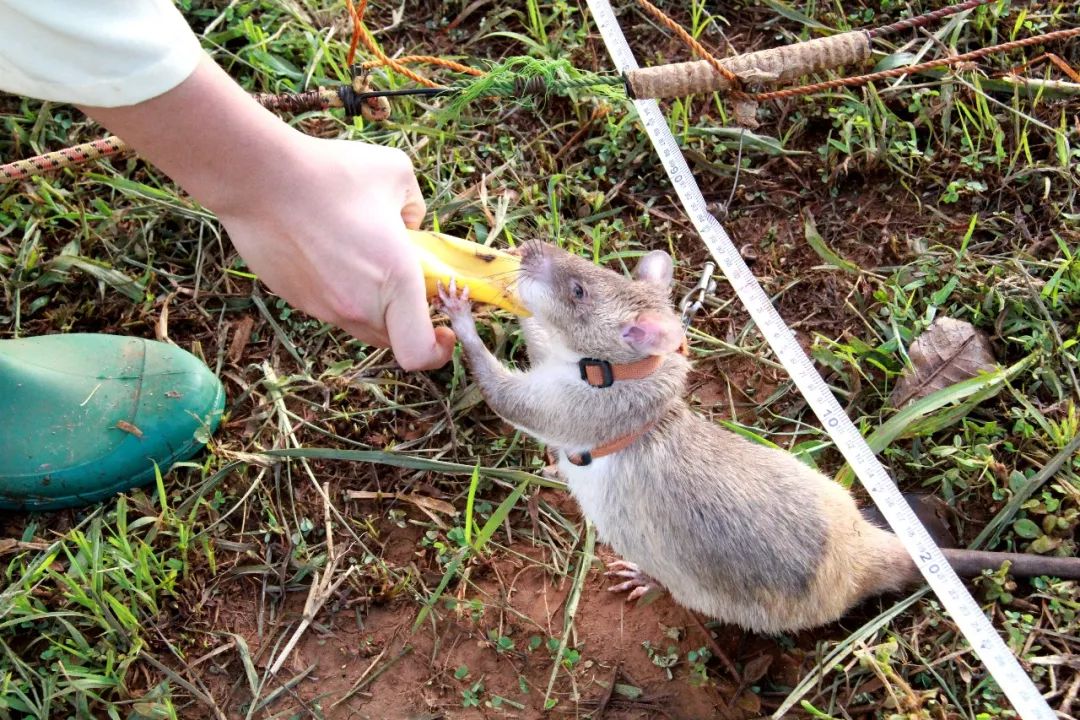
(534, 260)
(529, 250)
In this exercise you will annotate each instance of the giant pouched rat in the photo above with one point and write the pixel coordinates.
(741, 532)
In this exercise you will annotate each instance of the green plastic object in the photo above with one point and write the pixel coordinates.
(86, 416)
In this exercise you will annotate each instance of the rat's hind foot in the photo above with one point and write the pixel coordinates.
(551, 470)
(638, 583)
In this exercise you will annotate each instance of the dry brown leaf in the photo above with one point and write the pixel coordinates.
(748, 702)
(948, 352)
(8, 545)
(756, 669)
(129, 428)
(240, 339)
(421, 501)
(161, 328)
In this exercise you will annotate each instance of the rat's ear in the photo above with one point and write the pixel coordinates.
(655, 267)
(653, 333)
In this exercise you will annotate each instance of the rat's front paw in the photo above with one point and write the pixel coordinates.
(638, 583)
(453, 302)
(457, 306)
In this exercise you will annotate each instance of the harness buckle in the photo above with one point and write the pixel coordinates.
(582, 460)
(606, 373)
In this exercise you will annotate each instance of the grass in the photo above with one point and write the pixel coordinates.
(866, 213)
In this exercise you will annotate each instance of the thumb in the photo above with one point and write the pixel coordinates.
(413, 208)
(366, 334)
(416, 343)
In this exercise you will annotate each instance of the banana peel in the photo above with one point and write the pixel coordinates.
(488, 272)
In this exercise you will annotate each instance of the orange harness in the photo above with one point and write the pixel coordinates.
(602, 374)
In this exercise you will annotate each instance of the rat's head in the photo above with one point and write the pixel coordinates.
(596, 312)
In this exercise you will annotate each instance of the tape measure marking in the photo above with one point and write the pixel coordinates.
(965, 612)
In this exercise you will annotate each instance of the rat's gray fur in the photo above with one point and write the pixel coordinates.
(735, 530)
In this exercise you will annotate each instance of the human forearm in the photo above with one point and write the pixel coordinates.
(208, 135)
(321, 222)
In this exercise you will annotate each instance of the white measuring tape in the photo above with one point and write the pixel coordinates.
(963, 609)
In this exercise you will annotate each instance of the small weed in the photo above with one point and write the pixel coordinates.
(661, 659)
(502, 643)
(698, 660)
(956, 188)
(472, 695)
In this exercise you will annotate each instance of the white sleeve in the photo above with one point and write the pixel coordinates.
(104, 53)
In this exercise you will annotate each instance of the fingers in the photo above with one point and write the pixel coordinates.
(414, 208)
(365, 334)
(446, 338)
(416, 344)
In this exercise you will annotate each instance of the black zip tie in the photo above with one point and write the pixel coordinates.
(352, 100)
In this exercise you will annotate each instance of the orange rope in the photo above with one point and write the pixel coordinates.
(59, 159)
(373, 47)
(369, 43)
(428, 60)
(697, 47)
(910, 69)
(356, 18)
(362, 34)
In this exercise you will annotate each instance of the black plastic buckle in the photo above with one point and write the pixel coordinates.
(582, 460)
(605, 370)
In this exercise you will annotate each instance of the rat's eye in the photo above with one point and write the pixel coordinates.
(577, 290)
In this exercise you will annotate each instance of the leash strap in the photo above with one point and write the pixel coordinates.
(963, 609)
(602, 374)
(585, 458)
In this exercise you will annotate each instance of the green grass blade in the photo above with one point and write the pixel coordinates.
(250, 673)
(814, 239)
(747, 433)
(412, 462)
(473, 482)
(451, 571)
(914, 419)
(500, 514)
(789, 13)
(126, 286)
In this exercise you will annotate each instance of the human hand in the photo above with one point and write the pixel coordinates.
(321, 222)
(326, 232)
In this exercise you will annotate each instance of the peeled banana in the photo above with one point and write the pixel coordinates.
(489, 273)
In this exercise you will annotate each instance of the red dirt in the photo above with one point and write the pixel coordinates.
(520, 599)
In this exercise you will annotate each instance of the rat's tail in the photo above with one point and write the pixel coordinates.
(970, 563)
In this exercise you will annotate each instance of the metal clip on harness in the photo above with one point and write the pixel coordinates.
(694, 301)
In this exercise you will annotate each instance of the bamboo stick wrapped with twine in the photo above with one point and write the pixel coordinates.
(772, 66)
